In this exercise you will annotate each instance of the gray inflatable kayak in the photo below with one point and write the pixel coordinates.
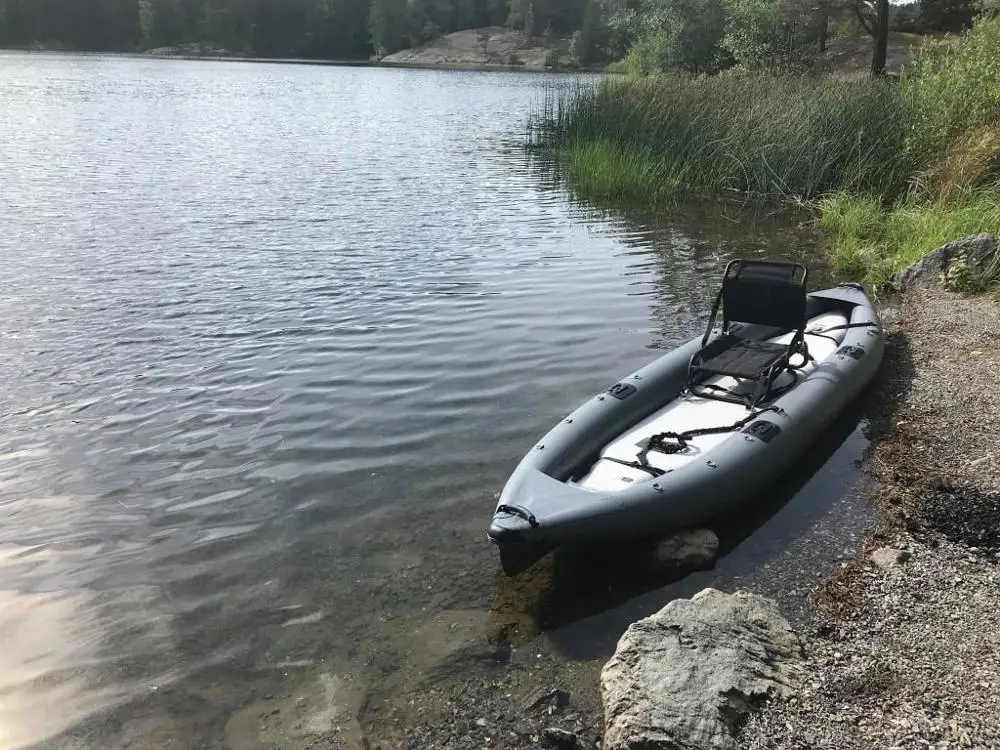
(699, 431)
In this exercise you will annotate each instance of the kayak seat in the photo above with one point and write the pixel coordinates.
(767, 293)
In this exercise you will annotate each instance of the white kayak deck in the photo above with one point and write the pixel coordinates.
(691, 412)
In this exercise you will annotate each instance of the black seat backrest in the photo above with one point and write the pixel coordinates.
(764, 292)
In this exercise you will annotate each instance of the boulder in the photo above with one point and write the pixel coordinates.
(889, 557)
(694, 549)
(687, 677)
(979, 251)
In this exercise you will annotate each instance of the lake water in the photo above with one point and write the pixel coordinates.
(273, 336)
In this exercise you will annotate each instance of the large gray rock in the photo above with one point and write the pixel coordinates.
(686, 677)
(694, 549)
(979, 251)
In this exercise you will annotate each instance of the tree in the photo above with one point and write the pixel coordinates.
(874, 18)
(906, 17)
(775, 34)
(589, 40)
(387, 25)
(947, 15)
(822, 24)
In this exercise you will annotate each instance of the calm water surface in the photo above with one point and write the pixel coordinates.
(272, 338)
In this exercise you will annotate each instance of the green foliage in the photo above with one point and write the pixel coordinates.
(689, 35)
(779, 135)
(906, 17)
(953, 88)
(874, 241)
(339, 29)
(387, 25)
(604, 171)
(81, 24)
(946, 15)
(420, 24)
(590, 40)
(771, 34)
(961, 277)
(681, 35)
(624, 28)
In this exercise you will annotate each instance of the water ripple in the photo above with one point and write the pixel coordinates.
(246, 307)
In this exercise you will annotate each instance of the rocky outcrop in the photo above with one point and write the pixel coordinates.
(488, 46)
(979, 250)
(687, 550)
(686, 677)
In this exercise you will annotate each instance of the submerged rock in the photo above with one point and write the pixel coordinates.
(546, 698)
(689, 550)
(559, 738)
(979, 251)
(688, 676)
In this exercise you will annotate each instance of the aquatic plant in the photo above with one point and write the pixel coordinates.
(785, 136)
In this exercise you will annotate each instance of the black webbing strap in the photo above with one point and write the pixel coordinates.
(822, 332)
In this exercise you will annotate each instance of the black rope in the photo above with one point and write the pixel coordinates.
(845, 326)
(656, 441)
(636, 465)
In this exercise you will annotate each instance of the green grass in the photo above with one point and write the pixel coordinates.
(782, 136)
(604, 171)
(873, 241)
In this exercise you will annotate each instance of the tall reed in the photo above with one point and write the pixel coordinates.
(782, 136)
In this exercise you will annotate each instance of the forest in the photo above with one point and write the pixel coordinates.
(358, 29)
(331, 29)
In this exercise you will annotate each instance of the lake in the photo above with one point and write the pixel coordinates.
(273, 336)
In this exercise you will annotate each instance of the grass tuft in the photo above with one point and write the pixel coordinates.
(605, 171)
(788, 136)
(874, 241)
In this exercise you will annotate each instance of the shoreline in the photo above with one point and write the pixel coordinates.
(320, 62)
(902, 649)
(899, 640)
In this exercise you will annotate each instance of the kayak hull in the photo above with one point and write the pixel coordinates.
(546, 503)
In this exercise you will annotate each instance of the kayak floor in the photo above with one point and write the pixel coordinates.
(690, 412)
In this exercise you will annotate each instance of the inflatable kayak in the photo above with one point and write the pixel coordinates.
(702, 429)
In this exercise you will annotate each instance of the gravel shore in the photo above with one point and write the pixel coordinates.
(904, 651)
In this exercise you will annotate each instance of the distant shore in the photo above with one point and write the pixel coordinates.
(227, 57)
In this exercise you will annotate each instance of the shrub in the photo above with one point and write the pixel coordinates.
(953, 89)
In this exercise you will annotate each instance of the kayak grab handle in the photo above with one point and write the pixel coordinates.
(517, 510)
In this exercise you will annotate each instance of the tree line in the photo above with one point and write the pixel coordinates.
(333, 29)
(694, 34)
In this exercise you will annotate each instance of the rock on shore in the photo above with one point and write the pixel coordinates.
(687, 676)
(979, 250)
